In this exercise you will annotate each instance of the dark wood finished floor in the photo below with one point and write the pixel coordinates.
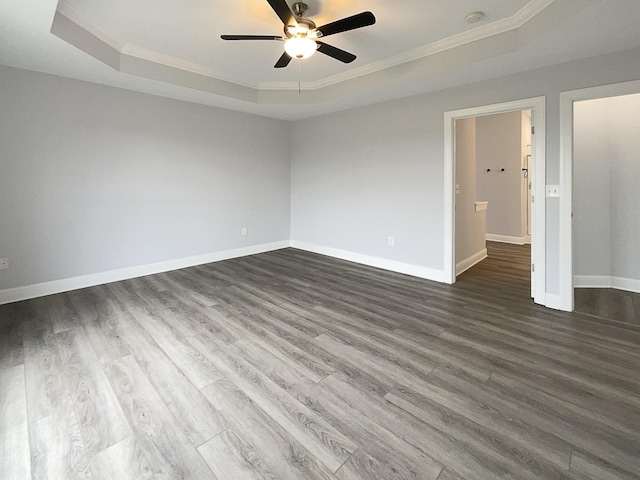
(609, 303)
(290, 365)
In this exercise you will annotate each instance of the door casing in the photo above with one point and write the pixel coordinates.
(538, 220)
(567, 99)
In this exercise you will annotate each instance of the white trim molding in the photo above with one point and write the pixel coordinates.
(553, 301)
(592, 281)
(567, 99)
(606, 281)
(66, 284)
(378, 262)
(471, 261)
(537, 105)
(493, 237)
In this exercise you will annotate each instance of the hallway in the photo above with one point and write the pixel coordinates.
(504, 273)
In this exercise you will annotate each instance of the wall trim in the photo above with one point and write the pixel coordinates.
(592, 281)
(567, 99)
(469, 262)
(66, 284)
(606, 281)
(378, 262)
(493, 237)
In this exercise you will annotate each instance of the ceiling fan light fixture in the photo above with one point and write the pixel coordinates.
(301, 34)
(300, 47)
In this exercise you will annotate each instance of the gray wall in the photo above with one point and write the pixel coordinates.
(470, 225)
(361, 175)
(606, 187)
(499, 145)
(94, 178)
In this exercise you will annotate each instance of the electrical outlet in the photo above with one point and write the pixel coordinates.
(245, 231)
(553, 190)
(4, 264)
(391, 241)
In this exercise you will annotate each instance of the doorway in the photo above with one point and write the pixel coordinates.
(605, 225)
(492, 187)
(537, 179)
(566, 233)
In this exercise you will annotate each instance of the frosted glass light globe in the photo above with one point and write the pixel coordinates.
(300, 47)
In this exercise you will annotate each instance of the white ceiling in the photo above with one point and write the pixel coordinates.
(174, 48)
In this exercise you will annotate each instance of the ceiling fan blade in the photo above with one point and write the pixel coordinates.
(336, 53)
(283, 61)
(360, 20)
(250, 37)
(283, 11)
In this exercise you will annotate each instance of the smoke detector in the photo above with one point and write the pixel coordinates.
(474, 17)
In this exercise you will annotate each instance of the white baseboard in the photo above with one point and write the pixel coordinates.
(469, 262)
(385, 264)
(606, 281)
(592, 281)
(74, 283)
(492, 237)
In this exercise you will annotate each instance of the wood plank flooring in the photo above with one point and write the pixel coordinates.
(609, 303)
(289, 365)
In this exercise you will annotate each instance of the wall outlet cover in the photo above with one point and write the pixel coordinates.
(553, 191)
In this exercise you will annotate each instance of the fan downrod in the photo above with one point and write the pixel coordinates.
(299, 8)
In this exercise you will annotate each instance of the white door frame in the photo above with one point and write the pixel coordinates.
(538, 252)
(567, 99)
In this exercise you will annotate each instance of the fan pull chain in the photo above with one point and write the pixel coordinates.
(299, 75)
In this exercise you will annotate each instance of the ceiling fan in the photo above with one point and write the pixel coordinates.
(301, 38)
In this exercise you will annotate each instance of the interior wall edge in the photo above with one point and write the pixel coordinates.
(27, 292)
(378, 262)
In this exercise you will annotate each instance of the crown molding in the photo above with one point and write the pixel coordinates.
(516, 21)
(75, 16)
(178, 63)
(69, 18)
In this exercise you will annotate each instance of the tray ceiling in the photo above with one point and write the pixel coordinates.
(174, 48)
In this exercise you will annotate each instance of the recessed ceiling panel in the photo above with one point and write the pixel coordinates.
(190, 31)
(415, 47)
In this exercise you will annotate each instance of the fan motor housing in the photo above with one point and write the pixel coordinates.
(308, 25)
(299, 9)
